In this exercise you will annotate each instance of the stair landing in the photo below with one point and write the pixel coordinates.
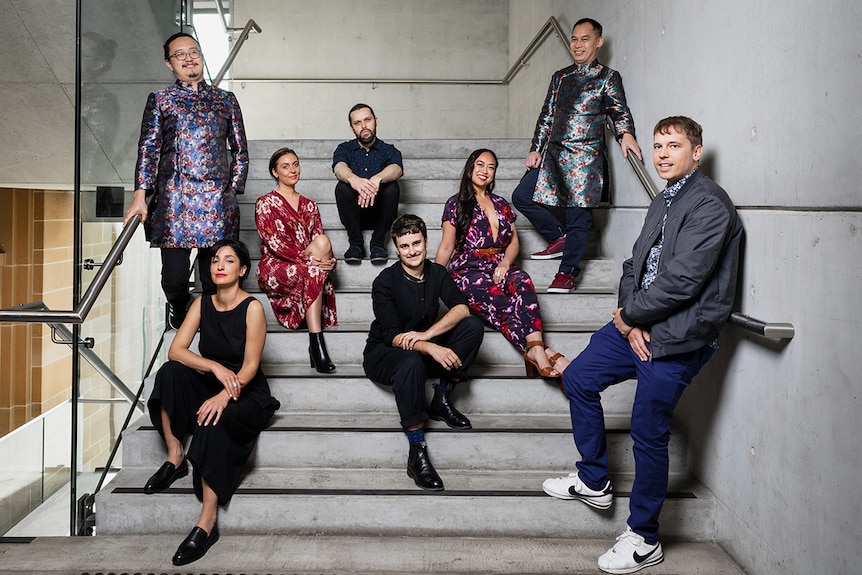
(319, 555)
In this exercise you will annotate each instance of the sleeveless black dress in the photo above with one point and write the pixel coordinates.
(217, 452)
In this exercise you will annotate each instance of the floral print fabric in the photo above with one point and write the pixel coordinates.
(570, 134)
(511, 306)
(283, 272)
(187, 138)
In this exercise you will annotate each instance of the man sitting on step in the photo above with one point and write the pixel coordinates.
(676, 292)
(367, 192)
(407, 343)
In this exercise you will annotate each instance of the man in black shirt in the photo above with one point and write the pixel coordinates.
(407, 342)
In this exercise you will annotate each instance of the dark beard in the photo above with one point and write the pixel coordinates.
(367, 141)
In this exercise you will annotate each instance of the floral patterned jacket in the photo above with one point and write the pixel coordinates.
(183, 155)
(570, 134)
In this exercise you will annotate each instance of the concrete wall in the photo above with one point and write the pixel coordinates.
(379, 39)
(774, 428)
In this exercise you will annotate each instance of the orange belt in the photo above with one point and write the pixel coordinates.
(489, 251)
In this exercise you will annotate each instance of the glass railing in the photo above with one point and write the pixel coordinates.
(65, 450)
(36, 462)
(114, 344)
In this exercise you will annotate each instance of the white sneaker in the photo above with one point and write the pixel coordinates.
(630, 553)
(571, 487)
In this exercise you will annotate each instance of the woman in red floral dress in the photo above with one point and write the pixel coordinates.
(296, 258)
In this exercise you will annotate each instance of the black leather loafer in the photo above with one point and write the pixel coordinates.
(195, 545)
(167, 474)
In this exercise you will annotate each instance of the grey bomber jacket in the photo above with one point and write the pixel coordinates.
(695, 287)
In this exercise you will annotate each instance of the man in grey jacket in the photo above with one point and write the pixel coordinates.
(676, 292)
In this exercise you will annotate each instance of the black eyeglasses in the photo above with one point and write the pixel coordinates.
(194, 54)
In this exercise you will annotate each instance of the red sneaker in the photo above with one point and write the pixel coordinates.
(554, 250)
(563, 283)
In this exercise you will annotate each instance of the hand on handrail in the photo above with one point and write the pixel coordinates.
(138, 207)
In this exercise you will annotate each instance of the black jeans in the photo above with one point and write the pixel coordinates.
(407, 371)
(175, 275)
(378, 217)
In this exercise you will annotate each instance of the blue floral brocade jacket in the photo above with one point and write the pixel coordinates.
(193, 152)
(570, 133)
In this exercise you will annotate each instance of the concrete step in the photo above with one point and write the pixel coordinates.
(549, 554)
(510, 148)
(447, 168)
(568, 310)
(598, 275)
(347, 502)
(375, 440)
(347, 342)
(490, 400)
(288, 349)
(530, 243)
(414, 190)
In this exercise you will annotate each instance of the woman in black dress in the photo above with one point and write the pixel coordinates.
(219, 395)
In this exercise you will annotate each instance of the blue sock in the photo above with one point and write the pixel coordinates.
(416, 436)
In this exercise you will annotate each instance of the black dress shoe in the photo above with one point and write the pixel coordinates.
(419, 468)
(442, 410)
(167, 474)
(195, 545)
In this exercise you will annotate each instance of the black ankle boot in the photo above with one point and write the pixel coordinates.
(419, 468)
(441, 410)
(318, 354)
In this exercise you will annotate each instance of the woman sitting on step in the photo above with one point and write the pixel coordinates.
(479, 246)
(218, 394)
(296, 258)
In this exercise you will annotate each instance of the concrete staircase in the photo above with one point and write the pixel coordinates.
(332, 464)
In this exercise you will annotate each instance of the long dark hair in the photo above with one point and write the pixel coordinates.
(467, 197)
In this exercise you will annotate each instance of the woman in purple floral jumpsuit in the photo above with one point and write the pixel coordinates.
(479, 247)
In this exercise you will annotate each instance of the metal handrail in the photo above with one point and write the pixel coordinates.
(243, 36)
(86, 352)
(79, 314)
(552, 25)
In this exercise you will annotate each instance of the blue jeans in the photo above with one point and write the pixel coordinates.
(608, 360)
(578, 223)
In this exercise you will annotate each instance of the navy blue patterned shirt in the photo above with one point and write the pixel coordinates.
(366, 163)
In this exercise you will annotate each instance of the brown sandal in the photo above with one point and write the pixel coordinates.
(532, 368)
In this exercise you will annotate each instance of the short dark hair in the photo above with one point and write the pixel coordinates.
(174, 37)
(682, 124)
(273, 161)
(359, 106)
(239, 249)
(596, 26)
(407, 224)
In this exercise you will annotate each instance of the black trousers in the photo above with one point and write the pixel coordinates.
(407, 371)
(378, 217)
(217, 452)
(175, 275)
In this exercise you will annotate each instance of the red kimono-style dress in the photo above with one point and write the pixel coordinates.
(283, 272)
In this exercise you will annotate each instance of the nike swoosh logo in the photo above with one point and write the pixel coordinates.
(641, 558)
(573, 492)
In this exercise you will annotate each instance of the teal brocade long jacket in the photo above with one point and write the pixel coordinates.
(570, 133)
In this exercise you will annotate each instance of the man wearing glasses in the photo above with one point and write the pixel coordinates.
(193, 156)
